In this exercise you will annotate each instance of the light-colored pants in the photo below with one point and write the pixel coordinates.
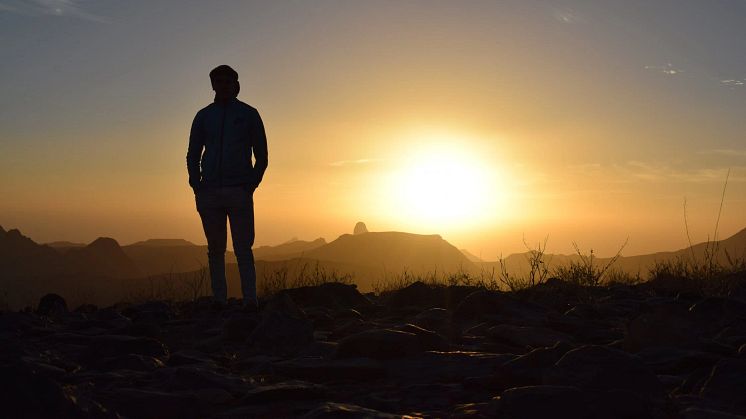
(235, 203)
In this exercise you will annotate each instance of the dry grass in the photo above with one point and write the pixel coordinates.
(280, 279)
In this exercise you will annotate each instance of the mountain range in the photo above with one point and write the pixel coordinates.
(368, 257)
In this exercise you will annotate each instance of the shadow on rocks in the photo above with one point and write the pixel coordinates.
(283, 328)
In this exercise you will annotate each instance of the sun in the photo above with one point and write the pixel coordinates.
(441, 186)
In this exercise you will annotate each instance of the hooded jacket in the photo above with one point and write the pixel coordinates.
(229, 133)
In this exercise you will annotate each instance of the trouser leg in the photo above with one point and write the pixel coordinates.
(242, 231)
(213, 222)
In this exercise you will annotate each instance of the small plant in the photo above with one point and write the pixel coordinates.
(618, 276)
(709, 275)
(274, 281)
(587, 271)
(538, 269)
(196, 283)
(280, 279)
(709, 266)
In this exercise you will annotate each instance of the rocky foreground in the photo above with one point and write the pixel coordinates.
(556, 350)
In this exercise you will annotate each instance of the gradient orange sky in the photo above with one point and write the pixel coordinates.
(581, 122)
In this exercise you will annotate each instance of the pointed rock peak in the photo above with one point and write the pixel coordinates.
(360, 228)
(104, 243)
(15, 233)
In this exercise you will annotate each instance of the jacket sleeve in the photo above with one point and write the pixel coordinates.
(261, 154)
(194, 152)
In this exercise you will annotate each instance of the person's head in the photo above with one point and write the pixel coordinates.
(224, 82)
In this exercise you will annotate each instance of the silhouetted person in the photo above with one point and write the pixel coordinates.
(224, 179)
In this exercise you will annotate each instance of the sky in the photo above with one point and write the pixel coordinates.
(491, 123)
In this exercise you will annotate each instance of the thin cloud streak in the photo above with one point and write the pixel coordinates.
(733, 83)
(635, 170)
(61, 8)
(667, 69)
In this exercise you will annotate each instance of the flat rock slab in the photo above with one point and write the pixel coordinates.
(332, 410)
(526, 336)
(324, 370)
(152, 404)
(286, 392)
(379, 344)
(603, 368)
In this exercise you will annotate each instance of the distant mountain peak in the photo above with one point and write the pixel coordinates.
(360, 228)
(104, 243)
(15, 233)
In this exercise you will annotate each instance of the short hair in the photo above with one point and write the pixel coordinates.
(223, 70)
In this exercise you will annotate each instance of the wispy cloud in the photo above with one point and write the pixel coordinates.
(567, 16)
(667, 69)
(648, 171)
(62, 8)
(653, 171)
(353, 162)
(733, 83)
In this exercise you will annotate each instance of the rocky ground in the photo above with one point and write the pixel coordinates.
(556, 350)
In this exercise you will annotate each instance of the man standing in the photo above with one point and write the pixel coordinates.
(224, 179)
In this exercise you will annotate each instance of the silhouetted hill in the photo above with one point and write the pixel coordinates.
(163, 243)
(394, 252)
(103, 257)
(287, 250)
(735, 246)
(153, 259)
(22, 257)
(471, 256)
(64, 246)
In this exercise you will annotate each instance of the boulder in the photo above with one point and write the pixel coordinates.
(669, 324)
(527, 336)
(602, 368)
(727, 385)
(429, 340)
(286, 392)
(331, 410)
(330, 295)
(379, 344)
(52, 305)
(283, 328)
(700, 413)
(423, 296)
(528, 369)
(321, 370)
(499, 307)
(103, 346)
(239, 326)
(196, 378)
(151, 404)
(438, 320)
(539, 402)
(27, 393)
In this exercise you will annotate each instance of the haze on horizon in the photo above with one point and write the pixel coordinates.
(581, 121)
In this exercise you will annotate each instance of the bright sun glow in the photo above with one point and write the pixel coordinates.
(441, 186)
